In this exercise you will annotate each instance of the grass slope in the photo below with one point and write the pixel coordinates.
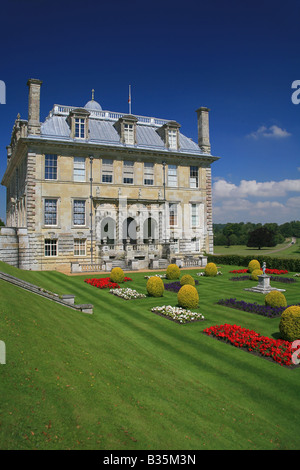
(125, 378)
(283, 250)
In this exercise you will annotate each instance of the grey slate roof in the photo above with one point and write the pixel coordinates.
(102, 131)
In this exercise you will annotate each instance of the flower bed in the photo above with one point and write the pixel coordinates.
(265, 310)
(126, 293)
(162, 276)
(286, 280)
(202, 273)
(177, 314)
(268, 271)
(105, 282)
(175, 286)
(277, 350)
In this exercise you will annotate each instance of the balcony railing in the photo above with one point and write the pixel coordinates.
(107, 115)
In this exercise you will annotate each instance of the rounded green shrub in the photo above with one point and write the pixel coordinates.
(155, 286)
(275, 298)
(254, 264)
(187, 279)
(211, 270)
(289, 325)
(255, 273)
(117, 275)
(173, 271)
(188, 297)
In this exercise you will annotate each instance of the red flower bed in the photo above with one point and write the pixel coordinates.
(268, 271)
(105, 282)
(278, 350)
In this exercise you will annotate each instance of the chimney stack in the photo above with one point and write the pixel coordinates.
(34, 125)
(203, 129)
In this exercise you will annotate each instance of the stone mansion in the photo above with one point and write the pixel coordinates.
(89, 189)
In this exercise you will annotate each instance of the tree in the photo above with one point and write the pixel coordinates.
(2, 224)
(261, 237)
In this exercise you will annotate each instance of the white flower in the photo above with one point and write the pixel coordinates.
(127, 293)
(178, 313)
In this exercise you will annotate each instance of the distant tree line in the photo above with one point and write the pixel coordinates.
(249, 233)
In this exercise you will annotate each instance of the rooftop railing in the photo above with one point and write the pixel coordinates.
(60, 110)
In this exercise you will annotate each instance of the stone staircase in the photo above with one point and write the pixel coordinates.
(163, 263)
(118, 263)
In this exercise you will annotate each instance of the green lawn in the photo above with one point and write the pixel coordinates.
(125, 378)
(283, 250)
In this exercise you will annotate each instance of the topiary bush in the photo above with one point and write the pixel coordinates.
(255, 273)
(188, 297)
(289, 325)
(254, 264)
(155, 286)
(211, 270)
(117, 275)
(275, 298)
(173, 271)
(187, 279)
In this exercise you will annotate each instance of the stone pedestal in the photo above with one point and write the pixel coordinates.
(263, 286)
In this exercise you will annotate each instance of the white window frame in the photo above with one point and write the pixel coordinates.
(172, 175)
(128, 172)
(50, 210)
(50, 247)
(148, 174)
(194, 215)
(194, 176)
(107, 170)
(77, 213)
(79, 247)
(79, 169)
(50, 167)
(79, 128)
(173, 214)
(172, 139)
(128, 134)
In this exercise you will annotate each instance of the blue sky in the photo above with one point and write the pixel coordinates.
(237, 58)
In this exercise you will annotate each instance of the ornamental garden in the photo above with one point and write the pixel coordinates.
(174, 359)
(186, 306)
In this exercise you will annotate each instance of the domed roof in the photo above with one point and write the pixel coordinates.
(92, 104)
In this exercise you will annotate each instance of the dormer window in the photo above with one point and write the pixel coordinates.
(172, 138)
(169, 133)
(78, 121)
(79, 128)
(126, 127)
(128, 134)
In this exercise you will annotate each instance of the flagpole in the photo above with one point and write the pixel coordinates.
(129, 99)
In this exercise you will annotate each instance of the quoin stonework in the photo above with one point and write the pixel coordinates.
(89, 189)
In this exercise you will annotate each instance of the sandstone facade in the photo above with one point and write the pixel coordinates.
(89, 188)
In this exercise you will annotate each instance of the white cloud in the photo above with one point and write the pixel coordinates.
(271, 132)
(222, 189)
(256, 201)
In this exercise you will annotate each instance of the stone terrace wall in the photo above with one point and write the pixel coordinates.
(9, 246)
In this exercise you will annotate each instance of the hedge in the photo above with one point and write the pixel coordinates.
(292, 265)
